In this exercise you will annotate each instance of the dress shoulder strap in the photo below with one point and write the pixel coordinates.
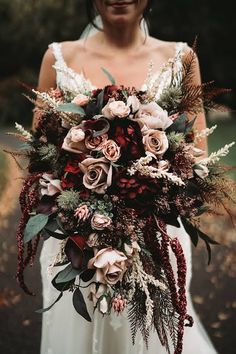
(180, 49)
(56, 49)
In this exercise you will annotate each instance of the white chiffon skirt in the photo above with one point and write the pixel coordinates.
(64, 331)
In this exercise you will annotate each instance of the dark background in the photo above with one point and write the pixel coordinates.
(27, 27)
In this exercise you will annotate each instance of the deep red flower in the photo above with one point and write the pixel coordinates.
(137, 189)
(128, 136)
(73, 176)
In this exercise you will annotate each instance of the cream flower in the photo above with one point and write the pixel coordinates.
(134, 103)
(201, 170)
(111, 150)
(49, 185)
(74, 141)
(97, 174)
(81, 100)
(152, 116)
(100, 221)
(115, 109)
(110, 264)
(96, 292)
(96, 143)
(156, 142)
(132, 249)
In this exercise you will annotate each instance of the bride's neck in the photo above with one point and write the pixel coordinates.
(118, 38)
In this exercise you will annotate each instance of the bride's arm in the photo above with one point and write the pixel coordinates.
(200, 123)
(47, 78)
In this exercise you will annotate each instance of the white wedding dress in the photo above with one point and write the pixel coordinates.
(64, 331)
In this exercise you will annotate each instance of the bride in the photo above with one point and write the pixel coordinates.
(121, 44)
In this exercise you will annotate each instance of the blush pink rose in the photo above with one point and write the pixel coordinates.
(155, 141)
(97, 143)
(82, 212)
(111, 150)
(81, 100)
(110, 264)
(152, 116)
(97, 174)
(115, 109)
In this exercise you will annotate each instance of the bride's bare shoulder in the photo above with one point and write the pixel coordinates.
(166, 49)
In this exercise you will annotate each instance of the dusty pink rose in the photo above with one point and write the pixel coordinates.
(49, 185)
(110, 264)
(152, 116)
(96, 143)
(115, 109)
(74, 141)
(156, 142)
(82, 212)
(97, 174)
(100, 221)
(111, 150)
(81, 100)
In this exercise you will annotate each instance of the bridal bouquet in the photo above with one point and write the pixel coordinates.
(109, 169)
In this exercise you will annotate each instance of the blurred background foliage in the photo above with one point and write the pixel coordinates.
(27, 27)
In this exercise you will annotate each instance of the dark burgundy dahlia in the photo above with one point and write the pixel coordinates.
(128, 136)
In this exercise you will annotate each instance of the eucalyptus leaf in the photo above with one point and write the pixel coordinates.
(179, 124)
(100, 99)
(71, 108)
(49, 307)
(80, 305)
(34, 225)
(109, 76)
(189, 125)
(66, 275)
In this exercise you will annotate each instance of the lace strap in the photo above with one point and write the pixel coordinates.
(56, 49)
(179, 49)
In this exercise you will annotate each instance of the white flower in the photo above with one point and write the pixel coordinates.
(134, 103)
(49, 185)
(201, 170)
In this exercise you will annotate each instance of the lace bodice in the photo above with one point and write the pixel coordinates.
(68, 79)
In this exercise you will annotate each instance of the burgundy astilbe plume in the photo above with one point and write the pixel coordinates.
(178, 296)
(28, 199)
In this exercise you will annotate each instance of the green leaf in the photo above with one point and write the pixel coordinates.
(100, 99)
(109, 76)
(80, 305)
(66, 275)
(191, 231)
(179, 124)
(34, 225)
(189, 125)
(72, 108)
(49, 307)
